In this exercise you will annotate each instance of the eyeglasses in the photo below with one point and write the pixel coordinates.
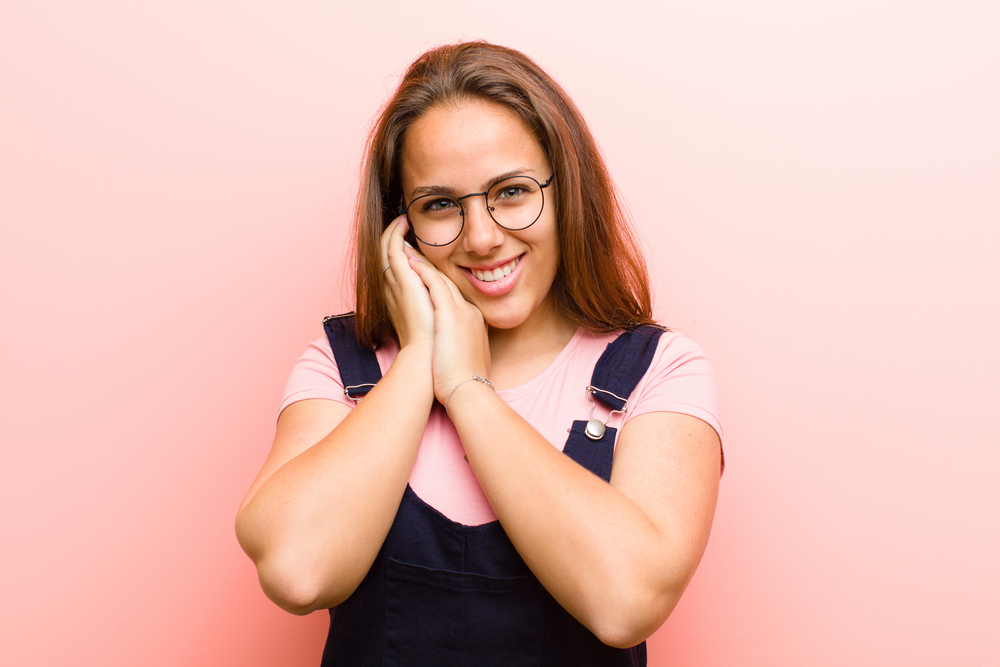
(514, 203)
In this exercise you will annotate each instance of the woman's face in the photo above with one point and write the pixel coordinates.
(466, 148)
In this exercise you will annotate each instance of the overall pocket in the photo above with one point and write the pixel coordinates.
(444, 618)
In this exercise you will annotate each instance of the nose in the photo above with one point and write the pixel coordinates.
(481, 234)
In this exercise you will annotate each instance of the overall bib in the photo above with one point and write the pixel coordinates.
(443, 594)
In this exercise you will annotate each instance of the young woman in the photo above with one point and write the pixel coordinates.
(441, 478)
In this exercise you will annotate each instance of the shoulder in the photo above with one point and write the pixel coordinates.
(671, 351)
(680, 378)
(675, 350)
(316, 373)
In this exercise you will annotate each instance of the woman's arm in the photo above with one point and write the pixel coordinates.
(318, 512)
(617, 556)
(321, 507)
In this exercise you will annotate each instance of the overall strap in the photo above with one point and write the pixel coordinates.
(358, 365)
(623, 364)
(615, 377)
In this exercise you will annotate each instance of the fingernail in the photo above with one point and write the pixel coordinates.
(407, 243)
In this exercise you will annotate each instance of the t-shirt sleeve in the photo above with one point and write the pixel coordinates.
(680, 379)
(315, 375)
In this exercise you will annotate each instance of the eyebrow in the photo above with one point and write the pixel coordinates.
(445, 190)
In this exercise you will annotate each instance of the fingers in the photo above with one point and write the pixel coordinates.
(450, 305)
(391, 243)
(410, 307)
(395, 253)
(455, 292)
(444, 293)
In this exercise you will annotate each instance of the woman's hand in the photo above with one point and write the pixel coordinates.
(461, 341)
(406, 295)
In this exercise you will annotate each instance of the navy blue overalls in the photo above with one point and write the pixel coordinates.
(443, 594)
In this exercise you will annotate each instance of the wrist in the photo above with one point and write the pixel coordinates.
(418, 342)
(475, 379)
(414, 363)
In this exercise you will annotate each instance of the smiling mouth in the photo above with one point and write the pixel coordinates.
(497, 273)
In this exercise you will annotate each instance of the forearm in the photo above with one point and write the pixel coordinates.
(592, 546)
(314, 526)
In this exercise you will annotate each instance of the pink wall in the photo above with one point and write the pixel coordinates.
(818, 185)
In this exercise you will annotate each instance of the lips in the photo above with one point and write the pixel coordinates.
(497, 280)
(492, 275)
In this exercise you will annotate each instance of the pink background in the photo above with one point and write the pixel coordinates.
(818, 188)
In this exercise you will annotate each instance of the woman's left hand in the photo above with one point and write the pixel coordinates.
(461, 343)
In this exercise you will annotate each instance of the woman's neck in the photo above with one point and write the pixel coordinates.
(520, 354)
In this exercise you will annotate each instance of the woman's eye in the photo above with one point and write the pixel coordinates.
(436, 205)
(512, 192)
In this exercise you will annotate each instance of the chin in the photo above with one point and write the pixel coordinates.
(504, 323)
(502, 318)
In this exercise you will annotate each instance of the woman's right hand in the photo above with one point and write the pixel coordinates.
(406, 296)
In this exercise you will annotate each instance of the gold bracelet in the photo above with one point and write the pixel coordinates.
(474, 377)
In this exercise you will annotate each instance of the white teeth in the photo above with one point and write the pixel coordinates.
(495, 274)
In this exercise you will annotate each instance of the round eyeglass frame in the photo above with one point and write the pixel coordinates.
(489, 209)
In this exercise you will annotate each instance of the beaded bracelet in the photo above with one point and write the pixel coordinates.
(474, 377)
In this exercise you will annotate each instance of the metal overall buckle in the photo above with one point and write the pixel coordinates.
(347, 391)
(595, 427)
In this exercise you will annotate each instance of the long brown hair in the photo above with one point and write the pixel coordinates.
(601, 282)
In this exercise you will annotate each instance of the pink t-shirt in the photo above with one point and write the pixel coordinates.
(680, 379)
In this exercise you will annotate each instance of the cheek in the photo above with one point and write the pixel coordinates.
(546, 241)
